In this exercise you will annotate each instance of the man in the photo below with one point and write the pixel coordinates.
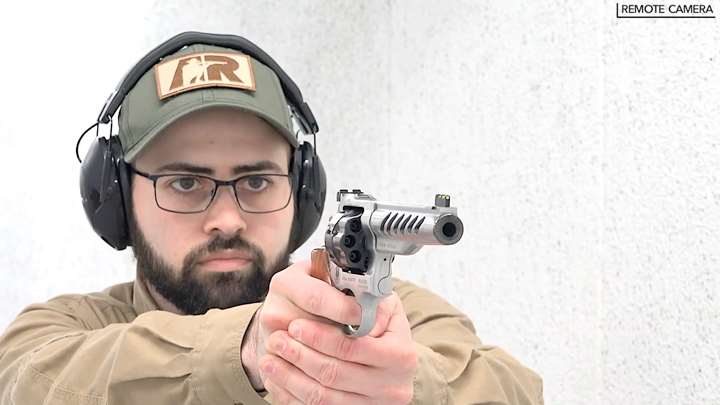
(217, 314)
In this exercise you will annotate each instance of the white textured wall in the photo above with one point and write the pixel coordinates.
(581, 150)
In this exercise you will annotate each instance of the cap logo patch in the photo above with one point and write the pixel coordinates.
(203, 70)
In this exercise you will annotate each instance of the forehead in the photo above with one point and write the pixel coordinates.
(217, 137)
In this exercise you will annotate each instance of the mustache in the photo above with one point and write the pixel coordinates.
(217, 244)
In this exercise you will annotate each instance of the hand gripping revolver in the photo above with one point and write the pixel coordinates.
(364, 235)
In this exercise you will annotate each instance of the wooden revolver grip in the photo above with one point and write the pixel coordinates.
(319, 265)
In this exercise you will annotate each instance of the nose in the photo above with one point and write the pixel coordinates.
(224, 214)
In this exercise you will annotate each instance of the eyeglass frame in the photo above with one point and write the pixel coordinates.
(218, 183)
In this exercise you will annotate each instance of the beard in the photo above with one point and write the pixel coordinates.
(194, 291)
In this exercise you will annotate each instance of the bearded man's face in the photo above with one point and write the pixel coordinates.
(222, 256)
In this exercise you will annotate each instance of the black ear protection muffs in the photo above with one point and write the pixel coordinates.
(105, 177)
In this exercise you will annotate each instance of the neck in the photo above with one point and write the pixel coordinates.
(161, 302)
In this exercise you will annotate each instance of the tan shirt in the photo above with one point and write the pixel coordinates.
(116, 347)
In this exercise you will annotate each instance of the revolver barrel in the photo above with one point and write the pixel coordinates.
(421, 226)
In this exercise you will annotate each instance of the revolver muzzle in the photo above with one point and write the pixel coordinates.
(448, 229)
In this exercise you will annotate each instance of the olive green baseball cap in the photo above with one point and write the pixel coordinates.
(196, 77)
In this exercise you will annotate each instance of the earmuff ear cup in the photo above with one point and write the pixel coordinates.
(310, 191)
(124, 177)
(101, 190)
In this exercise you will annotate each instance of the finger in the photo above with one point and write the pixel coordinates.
(281, 373)
(278, 311)
(280, 395)
(330, 340)
(314, 296)
(328, 371)
(383, 314)
(398, 323)
(319, 267)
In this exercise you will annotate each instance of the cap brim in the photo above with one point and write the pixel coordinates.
(133, 150)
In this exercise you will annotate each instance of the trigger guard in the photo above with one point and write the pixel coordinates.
(368, 306)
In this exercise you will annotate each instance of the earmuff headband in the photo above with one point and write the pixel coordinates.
(290, 89)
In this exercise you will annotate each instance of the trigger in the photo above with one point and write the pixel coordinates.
(385, 286)
(368, 304)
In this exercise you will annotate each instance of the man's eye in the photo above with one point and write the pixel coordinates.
(255, 183)
(185, 184)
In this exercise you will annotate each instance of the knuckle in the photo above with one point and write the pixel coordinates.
(318, 396)
(328, 373)
(294, 353)
(282, 281)
(313, 337)
(276, 281)
(345, 348)
(310, 336)
(409, 359)
(271, 318)
(280, 376)
(314, 302)
(273, 342)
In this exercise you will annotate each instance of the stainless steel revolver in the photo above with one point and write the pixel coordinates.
(364, 235)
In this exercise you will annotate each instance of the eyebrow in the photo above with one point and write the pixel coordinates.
(191, 168)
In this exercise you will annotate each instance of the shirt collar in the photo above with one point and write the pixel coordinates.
(142, 301)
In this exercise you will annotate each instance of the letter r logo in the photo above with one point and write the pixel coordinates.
(203, 70)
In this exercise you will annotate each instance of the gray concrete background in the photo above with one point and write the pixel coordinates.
(581, 150)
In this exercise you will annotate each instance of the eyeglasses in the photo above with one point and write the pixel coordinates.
(190, 193)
